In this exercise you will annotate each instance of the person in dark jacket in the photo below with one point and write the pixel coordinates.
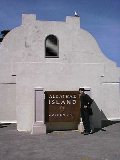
(86, 110)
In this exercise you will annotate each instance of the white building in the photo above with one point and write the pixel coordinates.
(56, 56)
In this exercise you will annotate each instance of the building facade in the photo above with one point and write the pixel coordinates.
(57, 56)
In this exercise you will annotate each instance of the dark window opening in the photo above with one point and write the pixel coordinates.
(51, 47)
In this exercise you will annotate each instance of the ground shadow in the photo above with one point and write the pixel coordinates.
(3, 125)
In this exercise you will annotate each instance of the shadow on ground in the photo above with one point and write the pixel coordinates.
(3, 125)
(105, 123)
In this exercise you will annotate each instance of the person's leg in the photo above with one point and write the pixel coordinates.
(87, 122)
(83, 120)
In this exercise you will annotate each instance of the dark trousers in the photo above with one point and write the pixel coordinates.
(85, 119)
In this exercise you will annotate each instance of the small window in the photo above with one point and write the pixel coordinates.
(51, 47)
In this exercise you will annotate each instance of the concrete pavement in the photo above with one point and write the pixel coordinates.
(63, 145)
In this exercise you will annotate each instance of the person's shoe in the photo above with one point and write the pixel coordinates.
(86, 133)
(91, 132)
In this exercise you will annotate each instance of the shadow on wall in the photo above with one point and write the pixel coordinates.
(106, 122)
(99, 120)
(96, 117)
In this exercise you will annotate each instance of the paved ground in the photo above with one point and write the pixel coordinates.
(68, 145)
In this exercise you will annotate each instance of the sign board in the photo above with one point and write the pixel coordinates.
(62, 106)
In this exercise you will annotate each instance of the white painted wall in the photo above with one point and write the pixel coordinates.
(111, 101)
(60, 76)
(80, 63)
(7, 102)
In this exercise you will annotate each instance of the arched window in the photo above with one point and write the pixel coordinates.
(51, 47)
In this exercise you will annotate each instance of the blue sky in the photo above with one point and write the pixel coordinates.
(99, 17)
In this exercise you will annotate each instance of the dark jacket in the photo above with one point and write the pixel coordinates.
(85, 100)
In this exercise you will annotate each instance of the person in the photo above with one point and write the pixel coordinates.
(86, 110)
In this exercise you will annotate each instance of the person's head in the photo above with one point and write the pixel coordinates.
(81, 90)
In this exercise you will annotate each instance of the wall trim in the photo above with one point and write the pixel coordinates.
(8, 121)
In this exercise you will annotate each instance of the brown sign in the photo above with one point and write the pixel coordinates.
(62, 106)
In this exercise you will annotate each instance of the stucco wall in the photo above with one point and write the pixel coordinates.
(80, 63)
(111, 101)
(52, 76)
(27, 43)
(8, 103)
(61, 76)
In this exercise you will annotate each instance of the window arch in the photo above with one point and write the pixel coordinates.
(51, 47)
